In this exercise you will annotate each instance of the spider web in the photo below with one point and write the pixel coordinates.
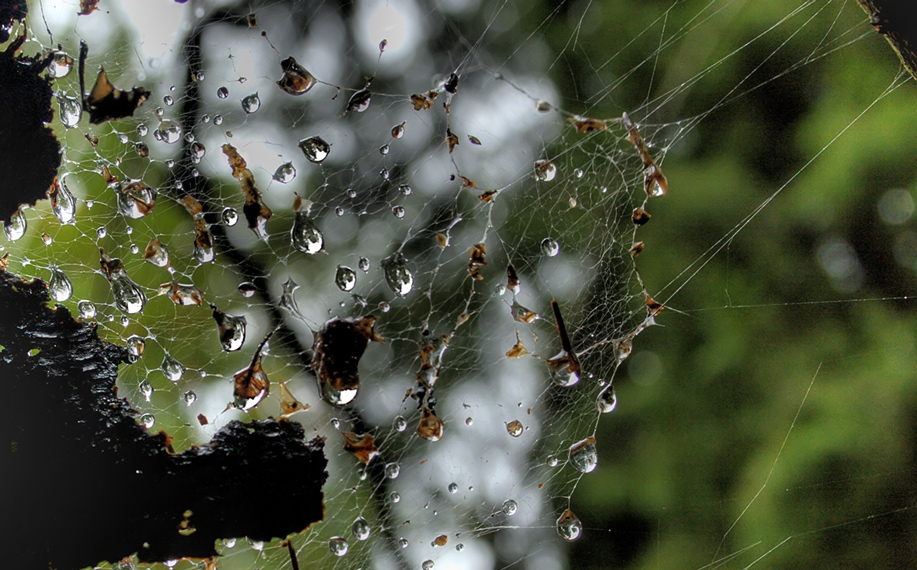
(497, 159)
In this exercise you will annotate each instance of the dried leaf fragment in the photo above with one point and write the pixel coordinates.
(513, 283)
(105, 102)
(476, 262)
(256, 212)
(289, 405)
(451, 84)
(518, 350)
(442, 240)
(654, 307)
(468, 183)
(88, 7)
(586, 125)
(423, 102)
(487, 197)
(637, 248)
(640, 216)
(474, 140)
(441, 540)
(362, 446)
(251, 384)
(522, 314)
(202, 419)
(451, 140)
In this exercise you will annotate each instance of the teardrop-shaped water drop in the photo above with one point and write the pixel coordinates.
(198, 151)
(398, 131)
(359, 101)
(337, 397)
(405, 189)
(16, 227)
(305, 235)
(315, 149)
(70, 111)
(59, 285)
(338, 546)
(172, 368)
(569, 526)
(607, 399)
(399, 278)
(146, 389)
(136, 199)
(135, 347)
(545, 170)
(509, 507)
(231, 329)
(168, 132)
(345, 278)
(360, 529)
(285, 173)
(583, 455)
(63, 204)
(190, 397)
(251, 103)
(156, 253)
(247, 289)
(87, 309)
(129, 297)
(550, 247)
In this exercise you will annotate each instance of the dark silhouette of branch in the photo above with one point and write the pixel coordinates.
(895, 19)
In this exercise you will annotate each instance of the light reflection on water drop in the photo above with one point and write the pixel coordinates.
(345, 278)
(16, 227)
(87, 309)
(400, 424)
(285, 173)
(59, 285)
(70, 111)
(229, 216)
(63, 203)
(545, 170)
(569, 526)
(360, 529)
(338, 546)
(509, 507)
(550, 247)
(583, 455)
(315, 149)
(146, 389)
(168, 132)
(607, 400)
(147, 420)
(399, 278)
(251, 103)
(172, 368)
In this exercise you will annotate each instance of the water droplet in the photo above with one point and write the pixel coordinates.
(198, 150)
(550, 247)
(398, 211)
(469, 422)
(222, 92)
(584, 456)
(296, 80)
(403, 542)
(405, 189)
(218, 119)
(185, 294)
(147, 420)
(59, 285)
(315, 149)
(129, 297)
(156, 253)
(255, 544)
(251, 103)
(360, 529)
(568, 526)
(136, 199)
(383, 150)
(398, 131)
(142, 130)
(460, 547)
(545, 171)
(427, 565)
(251, 384)
(285, 173)
(338, 546)
(61, 65)
(168, 100)
(16, 227)
(514, 428)
(70, 111)
(135, 347)
(400, 424)
(363, 264)
(247, 289)
(101, 232)
(385, 174)
(345, 278)
(305, 235)
(607, 399)
(190, 397)
(231, 329)
(62, 203)
(168, 132)
(359, 101)
(288, 298)
(229, 216)
(395, 498)
(339, 211)
(509, 507)
(87, 309)
(552, 461)
(172, 368)
(146, 389)
(229, 542)
(392, 470)
(397, 275)
(430, 427)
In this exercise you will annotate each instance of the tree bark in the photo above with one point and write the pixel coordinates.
(895, 19)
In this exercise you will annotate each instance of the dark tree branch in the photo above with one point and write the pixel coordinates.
(895, 19)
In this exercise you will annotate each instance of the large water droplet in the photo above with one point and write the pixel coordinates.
(427, 565)
(16, 227)
(514, 428)
(222, 92)
(129, 297)
(509, 507)
(61, 65)
(168, 132)
(397, 275)
(87, 309)
(136, 199)
(231, 329)
(305, 235)
(545, 171)
(285, 173)
(172, 368)
(360, 529)
(584, 456)
(135, 347)
(251, 103)
(296, 80)
(315, 149)
(62, 203)
(345, 278)
(338, 546)
(607, 399)
(550, 247)
(59, 285)
(156, 253)
(359, 101)
(70, 111)
(400, 424)
(392, 470)
(569, 526)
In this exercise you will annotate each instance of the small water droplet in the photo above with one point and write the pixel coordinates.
(146, 389)
(392, 470)
(168, 100)
(405, 189)
(427, 565)
(142, 130)
(403, 542)
(568, 526)
(552, 461)
(385, 174)
(338, 546)
(460, 547)
(122, 138)
(607, 399)
(398, 211)
(514, 428)
(509, 507)
(545, 171)
(135, 347)
(345, 278)
(87, 309)
(584, 456)
(400, 424)
(172, 368)
(469, 422)
(395, 497)
(59, 285)
(198, 150)
(399, 278)
(16, 227)
(190, 397)
(360, 529)
(251, 103)
(147, 420)
(285, 173)
(168, 132)
(383, 150)
(101, 232)
(218, 119)
(229, 216)
(363, 264)
(70, 111)
(339, 211)
(247, 289)
(315, 149)
(222, 92)
(550, 247)
(61, 65)
(398, 131)
(384, 307)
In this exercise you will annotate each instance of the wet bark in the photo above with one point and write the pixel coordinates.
(897, 21)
